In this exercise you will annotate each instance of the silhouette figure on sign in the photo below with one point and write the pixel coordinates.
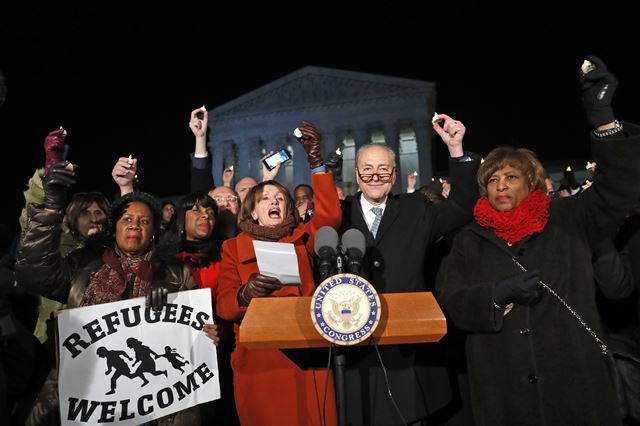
(115, 362)
(174, 358)
(143, 356)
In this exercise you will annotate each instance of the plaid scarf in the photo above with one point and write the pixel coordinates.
(120, 277)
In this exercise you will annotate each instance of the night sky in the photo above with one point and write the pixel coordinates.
(123, 80)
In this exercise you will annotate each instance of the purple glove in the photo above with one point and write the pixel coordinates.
(54, 148)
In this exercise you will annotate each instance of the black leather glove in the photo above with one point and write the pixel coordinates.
(524, 288)
(334, 163)
(56, 184)
(310, 141)
(156, 299)
(258, 286)
(598, 87)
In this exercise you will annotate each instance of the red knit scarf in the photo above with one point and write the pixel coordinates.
(109, 284)
(205, 276)
(529, 217)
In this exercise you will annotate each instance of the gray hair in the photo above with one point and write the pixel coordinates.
(364, 147)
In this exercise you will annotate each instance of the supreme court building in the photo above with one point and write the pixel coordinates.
(349, 108)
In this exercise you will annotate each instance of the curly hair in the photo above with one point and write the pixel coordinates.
(520, 158)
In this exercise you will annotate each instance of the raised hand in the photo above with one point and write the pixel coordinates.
(124, 173)
(227, 176)
(56, 185)
(198, 122)
(266, 173)
(451, 132)
(598, 87)
(310, 140)
(334, 162)
(412, 179)
(54, 148)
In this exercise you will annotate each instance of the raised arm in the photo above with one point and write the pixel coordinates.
(54, 147)
(124, 173)
(616, 148)
(327, 205)
(457, 210)
(40, 267)
(201, 178)
(452, 133)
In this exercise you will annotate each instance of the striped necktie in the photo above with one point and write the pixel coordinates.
(374, 227)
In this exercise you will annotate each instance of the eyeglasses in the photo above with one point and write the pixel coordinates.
(382, 177)
(229, 199)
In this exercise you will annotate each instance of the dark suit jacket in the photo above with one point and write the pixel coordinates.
(394, 263)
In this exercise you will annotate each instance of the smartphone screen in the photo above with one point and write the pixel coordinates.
(278, 157)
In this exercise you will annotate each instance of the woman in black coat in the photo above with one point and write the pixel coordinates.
(531, 361)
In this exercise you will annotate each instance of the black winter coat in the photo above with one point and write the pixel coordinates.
(41, 269)
(538, 365)
(394, 263)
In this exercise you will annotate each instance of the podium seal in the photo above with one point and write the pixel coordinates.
(345, 309)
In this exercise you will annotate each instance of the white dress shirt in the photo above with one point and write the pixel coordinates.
(370, 216)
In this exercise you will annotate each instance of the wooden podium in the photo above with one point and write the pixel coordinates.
(285, 322)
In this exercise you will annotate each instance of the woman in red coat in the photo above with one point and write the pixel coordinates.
(269, 388)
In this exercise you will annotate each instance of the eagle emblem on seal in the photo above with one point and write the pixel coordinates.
(345, 314)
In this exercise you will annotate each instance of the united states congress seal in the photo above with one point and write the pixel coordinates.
(345, 309)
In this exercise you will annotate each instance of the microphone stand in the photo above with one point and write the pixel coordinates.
(339, 360)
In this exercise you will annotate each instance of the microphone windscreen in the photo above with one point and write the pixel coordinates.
(326, 237)
(353, 239)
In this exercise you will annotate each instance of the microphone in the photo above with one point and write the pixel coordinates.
(353, 244)
(326, 247)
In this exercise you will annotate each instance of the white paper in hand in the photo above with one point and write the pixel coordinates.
(278, 260)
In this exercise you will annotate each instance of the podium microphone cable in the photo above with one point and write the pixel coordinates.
(386, 380)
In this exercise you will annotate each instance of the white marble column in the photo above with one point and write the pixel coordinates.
(216, 150)
(244, 158)
(392, 139)
(423, 139)
(254, 159)
(228, 158)
(301, 172)
(329, 142)
(361, 136)
(275, 143)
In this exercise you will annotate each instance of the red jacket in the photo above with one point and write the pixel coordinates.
(269, 388)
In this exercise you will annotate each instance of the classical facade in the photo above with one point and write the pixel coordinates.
(349, 108)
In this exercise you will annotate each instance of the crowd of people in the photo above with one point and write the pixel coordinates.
(535, 279)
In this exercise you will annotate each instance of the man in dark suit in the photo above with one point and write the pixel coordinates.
(398, 230)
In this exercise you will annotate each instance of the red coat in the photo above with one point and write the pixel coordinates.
(269, 388)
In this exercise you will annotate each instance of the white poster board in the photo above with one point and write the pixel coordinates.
(121, 363)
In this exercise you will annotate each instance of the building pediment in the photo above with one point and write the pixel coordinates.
(313, 86)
